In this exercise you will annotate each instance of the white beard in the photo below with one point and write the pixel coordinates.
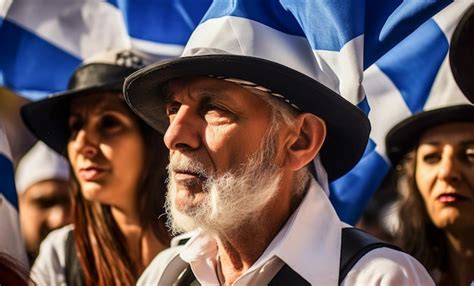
(232, 199)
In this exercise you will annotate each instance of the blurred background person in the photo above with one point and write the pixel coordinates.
(379, 216)
(41, 180)
(433, 152)
(118, 165)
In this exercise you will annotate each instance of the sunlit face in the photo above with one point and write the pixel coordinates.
(216, 123)
(106, 149)
(445, 174)
(44, 206)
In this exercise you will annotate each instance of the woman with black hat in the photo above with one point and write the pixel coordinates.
(434, 155)
(118, 163)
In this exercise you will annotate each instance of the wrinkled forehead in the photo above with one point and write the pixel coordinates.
(212, 87)
(200, 83)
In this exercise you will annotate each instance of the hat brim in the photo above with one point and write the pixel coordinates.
(405, 135)
(47, 119)
(347, 126)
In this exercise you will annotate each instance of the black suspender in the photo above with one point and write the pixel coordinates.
(355, 244)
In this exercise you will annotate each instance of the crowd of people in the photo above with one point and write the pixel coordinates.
(213, 169)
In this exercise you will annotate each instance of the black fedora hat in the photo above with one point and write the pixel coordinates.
(461, 55)
(347, 127)
(47, 119)
(405, 135)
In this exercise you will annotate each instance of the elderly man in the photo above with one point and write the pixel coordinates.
(239, 173)
(253, 144)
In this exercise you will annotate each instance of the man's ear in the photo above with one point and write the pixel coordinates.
(310, 132)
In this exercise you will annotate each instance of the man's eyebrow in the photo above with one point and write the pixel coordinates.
(208, 92)
(215, 95)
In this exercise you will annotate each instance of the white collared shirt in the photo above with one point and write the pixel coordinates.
(309, 243)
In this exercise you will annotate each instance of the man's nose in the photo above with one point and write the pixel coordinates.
(449, 167)
(183, 131)
(58, 217)
(85, 143)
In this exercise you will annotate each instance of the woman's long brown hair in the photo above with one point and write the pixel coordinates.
(417, 234)
(100, 244)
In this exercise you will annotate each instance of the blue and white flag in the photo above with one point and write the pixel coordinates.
(11, 241)
(161, 27)
(404, 73)
(387, 57)
(43, 41)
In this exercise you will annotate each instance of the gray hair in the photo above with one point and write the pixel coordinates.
(284, 113)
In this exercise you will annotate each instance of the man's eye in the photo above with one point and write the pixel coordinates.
(211, 108)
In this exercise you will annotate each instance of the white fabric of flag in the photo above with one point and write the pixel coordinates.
(43, 41)
(11, 242)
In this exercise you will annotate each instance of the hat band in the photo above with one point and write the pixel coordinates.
(250, 84)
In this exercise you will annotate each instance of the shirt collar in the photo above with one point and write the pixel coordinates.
(311, 244)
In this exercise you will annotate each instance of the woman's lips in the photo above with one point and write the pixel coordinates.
(451, 198)
(91, 173)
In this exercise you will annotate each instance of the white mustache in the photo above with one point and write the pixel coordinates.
(181, 163)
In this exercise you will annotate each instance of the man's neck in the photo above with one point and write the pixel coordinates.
(238, 251)
(240, 248)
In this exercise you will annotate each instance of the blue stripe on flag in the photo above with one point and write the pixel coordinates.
(269, 13)
(2, 82)
(350, 194)
(328, 24)
(390, 21)
(168, 22)
(414, 63)
(30, 62)
(7, 181)
(364, 106)
(113, 2)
